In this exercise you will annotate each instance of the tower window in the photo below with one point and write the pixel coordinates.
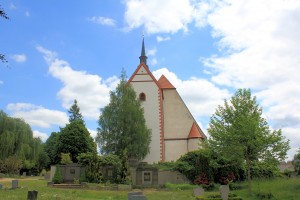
(142, 96)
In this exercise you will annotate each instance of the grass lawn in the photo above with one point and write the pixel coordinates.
(281, 189)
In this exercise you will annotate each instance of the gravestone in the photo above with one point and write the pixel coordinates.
(24, 173)
(131, 194)
(199, 191)
(224, 190)
(14, 184)
(32, 195)
(1, 186)
(138, 197)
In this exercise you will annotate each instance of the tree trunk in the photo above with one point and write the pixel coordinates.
(248, 164)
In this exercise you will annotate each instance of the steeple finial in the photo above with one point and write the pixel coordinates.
(143, 57)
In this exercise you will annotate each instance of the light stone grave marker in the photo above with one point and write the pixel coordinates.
(224, 190)
(199, 191)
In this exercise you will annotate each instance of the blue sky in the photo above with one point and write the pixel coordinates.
(58, 51)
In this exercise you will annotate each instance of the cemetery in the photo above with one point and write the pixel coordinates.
(148, 146)
(36, 188)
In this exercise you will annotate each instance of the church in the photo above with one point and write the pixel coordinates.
(174, 130)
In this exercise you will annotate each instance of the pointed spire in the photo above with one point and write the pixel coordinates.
(143, 57)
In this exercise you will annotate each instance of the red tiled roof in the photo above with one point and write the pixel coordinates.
(164, 83)
(194, 132)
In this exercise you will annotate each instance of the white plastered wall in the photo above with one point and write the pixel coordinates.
(151, 111)
(177, 118)
(193, 144)
(174, 149)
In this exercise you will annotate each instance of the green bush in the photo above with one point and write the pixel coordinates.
(236, 186)
(82, 177)
(209, 187)
(58, 178)
(216, 196)
(265, 195)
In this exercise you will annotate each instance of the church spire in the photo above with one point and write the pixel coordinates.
(143, 57)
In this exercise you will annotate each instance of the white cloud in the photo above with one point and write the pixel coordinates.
(1, 82)
(153, 61)
(42, 136)
(168, 16)
(151, 52)
(91, 92)
(27, 14)
(93, 133)
(201, 96)
(161, 39)
(37, 115)
(260, 46)
(103, 20)
(20, 58)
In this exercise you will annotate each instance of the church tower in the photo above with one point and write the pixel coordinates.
(174, 130)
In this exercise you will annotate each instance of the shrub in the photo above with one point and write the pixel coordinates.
(82, 177)
(209, 187)
(57, 178)
(194, 163)
(265, 195)
(235, 186)
(202, 179)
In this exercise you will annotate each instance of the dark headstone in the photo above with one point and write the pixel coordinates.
(1, 186)
(14, 184)
(32, 195)
(131, 194)
(224, 190)
(138, 197)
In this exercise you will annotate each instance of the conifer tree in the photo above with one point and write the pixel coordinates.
(75, 113)
(122, 124)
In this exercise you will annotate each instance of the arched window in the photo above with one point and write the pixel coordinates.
(142, 96)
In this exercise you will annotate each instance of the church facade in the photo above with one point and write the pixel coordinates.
(174, 130)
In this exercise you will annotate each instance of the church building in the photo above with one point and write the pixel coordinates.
(174, 130)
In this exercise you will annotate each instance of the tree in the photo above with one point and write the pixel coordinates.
(241, 135)
(74, 112)
(65, 158)
(297, 162)
(3, 14)
(75, 139)
(16, 139)
(51, 148)
(122, 124)
(12, 165)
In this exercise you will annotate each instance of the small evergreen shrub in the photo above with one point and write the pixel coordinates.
(58, 178)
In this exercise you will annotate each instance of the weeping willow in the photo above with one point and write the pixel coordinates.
(16, 139)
